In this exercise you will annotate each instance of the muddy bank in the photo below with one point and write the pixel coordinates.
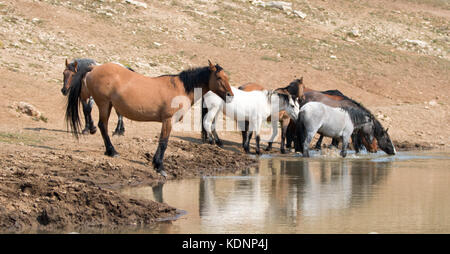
(44, 189)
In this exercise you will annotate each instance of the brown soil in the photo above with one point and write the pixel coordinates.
(50, 181)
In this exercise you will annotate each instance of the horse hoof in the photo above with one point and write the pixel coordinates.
(283, 151)
(112, 154)
(85, 131)
(268, 149)
(219, 145)
(118, 132)
(93, 130)
(163, 173)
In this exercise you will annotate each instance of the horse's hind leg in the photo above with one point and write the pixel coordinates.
(216, 136)
(104, 112)
(120, 129)
(89, 124)
(162, 146)
(335, 143)
(319, 143)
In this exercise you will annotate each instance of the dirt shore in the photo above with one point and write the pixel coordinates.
(45, 189)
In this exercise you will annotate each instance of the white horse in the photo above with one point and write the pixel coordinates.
(249, 109)
(331, 122)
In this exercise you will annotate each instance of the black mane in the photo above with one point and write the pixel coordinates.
(357, 115)
(195, 77)
(378, 128)
(82, 64)
(292, 88)
(334, 92)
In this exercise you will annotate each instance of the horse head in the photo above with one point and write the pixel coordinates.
(68, 73)
(287, 103)
(383, 139)
(219, 82)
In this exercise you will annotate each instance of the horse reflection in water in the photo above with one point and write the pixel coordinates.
(288, 192)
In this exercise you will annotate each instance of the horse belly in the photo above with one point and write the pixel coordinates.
(141, 108)
(331, 131)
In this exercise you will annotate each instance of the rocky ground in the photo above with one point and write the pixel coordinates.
(393, 56)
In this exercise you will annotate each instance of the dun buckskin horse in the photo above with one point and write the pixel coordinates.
(69, 73)
(142, 98)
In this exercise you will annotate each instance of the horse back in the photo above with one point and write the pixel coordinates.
(251, 87)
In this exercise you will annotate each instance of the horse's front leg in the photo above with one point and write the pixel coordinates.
(356, 142)
(120, 129)
(208, 124)
(345, 140)
(162, 146)
(89, 124)
(306, 144)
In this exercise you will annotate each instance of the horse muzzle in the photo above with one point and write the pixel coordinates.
(228, 97)
(64, 91)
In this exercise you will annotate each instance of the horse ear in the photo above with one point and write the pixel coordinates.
(387, 130)
(75, 66)
(212, 67)
(67, 63)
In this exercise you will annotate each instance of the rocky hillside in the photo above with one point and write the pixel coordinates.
(393, 56)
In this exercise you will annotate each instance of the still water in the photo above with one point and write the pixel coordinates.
(406, 193)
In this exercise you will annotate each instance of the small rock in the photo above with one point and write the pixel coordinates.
(300, 14)
(419, 43)
(157, 44)
(139, 4)
(432, 103)
(333, 57)
(27, 108)
(354, 33)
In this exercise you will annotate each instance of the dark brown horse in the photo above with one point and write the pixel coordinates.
(69, 73)
(142, 98)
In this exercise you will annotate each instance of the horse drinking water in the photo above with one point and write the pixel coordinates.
(329, 121)
(142, 98)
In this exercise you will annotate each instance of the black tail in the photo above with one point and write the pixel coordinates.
(129, 68)
(73, 101)
(301, 133)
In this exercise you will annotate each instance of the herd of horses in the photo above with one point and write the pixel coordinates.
(302, 112)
